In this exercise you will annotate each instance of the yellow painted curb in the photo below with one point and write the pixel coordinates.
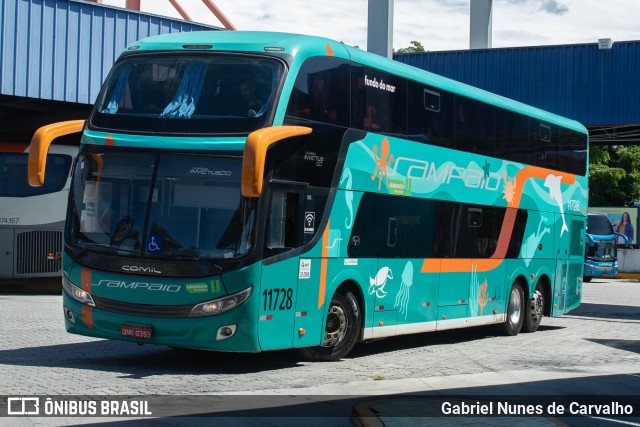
(630, 276)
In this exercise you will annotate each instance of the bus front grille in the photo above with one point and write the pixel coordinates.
(38, 253)
(146, 310)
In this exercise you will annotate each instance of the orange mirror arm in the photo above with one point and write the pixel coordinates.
(39, 147)
(255, 153)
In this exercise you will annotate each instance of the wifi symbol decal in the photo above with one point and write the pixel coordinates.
(309, 222)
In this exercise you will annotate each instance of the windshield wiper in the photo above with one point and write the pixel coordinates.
(87, 246)
(209, 263)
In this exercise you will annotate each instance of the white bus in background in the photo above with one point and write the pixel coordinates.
(32, 218)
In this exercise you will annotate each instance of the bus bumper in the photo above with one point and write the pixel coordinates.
(205, 333)
(600, 269)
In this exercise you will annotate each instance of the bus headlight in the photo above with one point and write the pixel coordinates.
(220, 305)
(77, 293)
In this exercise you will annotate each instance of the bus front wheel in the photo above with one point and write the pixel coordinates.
(341, 330)
(515, 311)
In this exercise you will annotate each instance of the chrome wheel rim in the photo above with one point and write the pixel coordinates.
(538, 304)
(515, 306)
(336, 326)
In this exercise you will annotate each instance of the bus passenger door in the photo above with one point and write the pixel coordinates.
(278, 287)
(487, 277)
(569, 251)
(577, 227)
(385, 282)
(385, 286)
(458, 229)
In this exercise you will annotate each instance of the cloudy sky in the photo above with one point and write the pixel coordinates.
(437, 24)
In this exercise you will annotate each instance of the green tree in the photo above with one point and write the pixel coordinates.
(414, 48)
(614, 175)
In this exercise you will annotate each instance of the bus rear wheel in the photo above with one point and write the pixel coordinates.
(341, 330)
(587, 278)
(515, 311)
(534, 311)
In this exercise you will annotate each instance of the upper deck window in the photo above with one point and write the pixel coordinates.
(599, 225)
(188, 94)
(321, 91)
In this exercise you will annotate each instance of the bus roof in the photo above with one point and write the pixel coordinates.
(298, 45)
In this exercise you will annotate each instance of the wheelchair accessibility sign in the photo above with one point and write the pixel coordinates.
(154, 243)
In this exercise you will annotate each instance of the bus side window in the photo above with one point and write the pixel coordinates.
(321, 91)
(430, 115)
(512, 136)
(284, 230)
(544, 146)
(362, 239)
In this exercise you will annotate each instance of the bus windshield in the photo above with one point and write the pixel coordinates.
(188, 94)
(13, 181)
(163, 206)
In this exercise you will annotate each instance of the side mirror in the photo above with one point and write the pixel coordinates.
(255, 153)
(39, 147)
(625, 238)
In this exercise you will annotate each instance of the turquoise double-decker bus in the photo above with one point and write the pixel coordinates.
(251, 191)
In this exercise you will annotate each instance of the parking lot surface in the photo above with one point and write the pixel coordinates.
(594, 348)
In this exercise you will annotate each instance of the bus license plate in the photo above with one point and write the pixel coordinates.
(142, 332)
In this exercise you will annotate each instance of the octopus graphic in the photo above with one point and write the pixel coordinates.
(383, 162)
(402, 298)
(482, 295)
(376, 284)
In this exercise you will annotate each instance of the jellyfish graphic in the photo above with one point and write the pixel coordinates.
(402, 298)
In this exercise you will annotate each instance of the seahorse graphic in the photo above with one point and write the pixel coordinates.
(383, 162)
(348, 196)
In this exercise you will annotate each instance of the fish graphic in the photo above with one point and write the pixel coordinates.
(552, 182)
(377, 283)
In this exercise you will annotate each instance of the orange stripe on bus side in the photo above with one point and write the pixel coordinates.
(505, 233)
(323, 266)
(458, 265)
(109, 141)
(329, 50)
(87, 311)
(536, 172)
(463, 265)
(453, 265)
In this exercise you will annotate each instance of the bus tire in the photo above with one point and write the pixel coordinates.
(341, 330)
(587, 279)
(515, 311)
(534, 310)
